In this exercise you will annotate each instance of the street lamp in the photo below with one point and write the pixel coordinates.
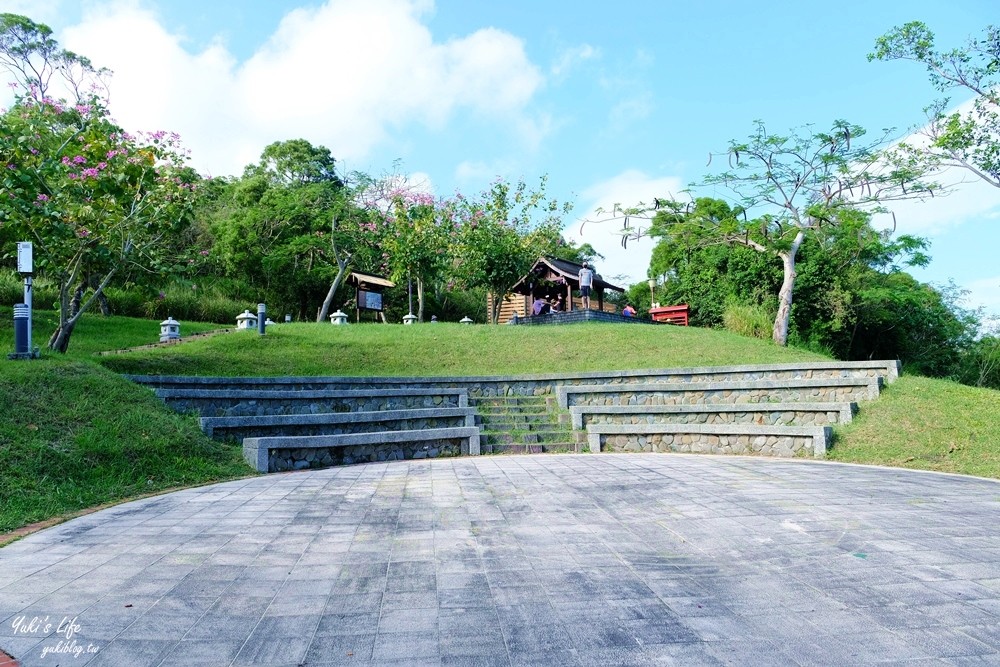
(652, 295)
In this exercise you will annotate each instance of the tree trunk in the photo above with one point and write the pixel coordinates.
(780, 334)
(59, 342)
(420, 300)
(324, 310)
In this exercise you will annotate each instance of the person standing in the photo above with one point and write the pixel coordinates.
(586, 283)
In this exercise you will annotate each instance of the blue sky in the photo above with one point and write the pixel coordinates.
(614, 102)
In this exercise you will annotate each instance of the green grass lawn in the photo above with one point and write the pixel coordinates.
(74, 434)
(451, 349)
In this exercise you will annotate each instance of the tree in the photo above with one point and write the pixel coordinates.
(95, 200)
(290, 227)
(970, 140)
(418, 234)
(30, 54)
(501, 234)
(797, 185)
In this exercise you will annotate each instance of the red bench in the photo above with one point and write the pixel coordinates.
(670, 314)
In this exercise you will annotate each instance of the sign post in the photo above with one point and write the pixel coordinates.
(25, 266)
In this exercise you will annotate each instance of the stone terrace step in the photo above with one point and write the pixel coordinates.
(276, 454)
(527, 385)
(540, 448)
(771, 414)
(492, 438)
(223, 402)
(837, 390)
(334, 423)
(711, 439)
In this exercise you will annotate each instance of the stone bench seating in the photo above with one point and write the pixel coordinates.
(785, 441)
(767, 414)
(276, 454)
(335, 423)
(528, 385)
(832, 390)
(228, 402)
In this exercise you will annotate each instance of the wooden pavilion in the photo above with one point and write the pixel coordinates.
(552, 278)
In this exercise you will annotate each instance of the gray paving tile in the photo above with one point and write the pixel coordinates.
(617, 559)
(341, 649)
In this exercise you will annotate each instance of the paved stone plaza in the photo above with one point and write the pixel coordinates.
(611, 559)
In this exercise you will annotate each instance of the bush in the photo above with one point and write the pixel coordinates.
(751, 320)
(45, 293)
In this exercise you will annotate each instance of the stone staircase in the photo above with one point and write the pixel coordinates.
(523, 425)
(297, 422)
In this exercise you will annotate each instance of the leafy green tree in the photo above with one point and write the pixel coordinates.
(290, 227)
(417, 237)
(96, 201)
(971, 139)
(501, 234)
(797, 186)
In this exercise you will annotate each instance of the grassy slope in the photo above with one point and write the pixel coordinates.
(75, 435)
(451, 349)
(927, 424)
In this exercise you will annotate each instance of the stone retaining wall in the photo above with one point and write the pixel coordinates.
(693, 443)
(233, 404)
(542, 384)
(260, 426)
(806, 391)
(280, 460)
(767, 415)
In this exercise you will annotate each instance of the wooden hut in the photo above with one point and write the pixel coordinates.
(551, 278)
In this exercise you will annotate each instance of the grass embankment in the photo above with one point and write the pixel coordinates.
(75, 435)
(926, 424)
(452, 349)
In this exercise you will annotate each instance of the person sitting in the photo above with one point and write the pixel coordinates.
(554, 306)
(539, 306)
(628, 311)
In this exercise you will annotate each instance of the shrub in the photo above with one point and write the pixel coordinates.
(752, 320)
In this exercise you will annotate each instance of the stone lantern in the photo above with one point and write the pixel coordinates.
(465, 320)
(170, 330)
(339, 317)
(409, 318)
(247, 320)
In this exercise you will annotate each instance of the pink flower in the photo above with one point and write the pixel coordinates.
(43, 197)
(83, 232)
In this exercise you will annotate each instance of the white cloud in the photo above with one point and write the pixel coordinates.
(969, 201)
(572, 57)
(600, 230)
(348, 75)
(39, 11)
(629, 110)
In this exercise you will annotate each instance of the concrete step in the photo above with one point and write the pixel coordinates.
(527, 437)
(535, 448)
(773, 414)
(787, 441)
(335, 423)
(833, 390)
